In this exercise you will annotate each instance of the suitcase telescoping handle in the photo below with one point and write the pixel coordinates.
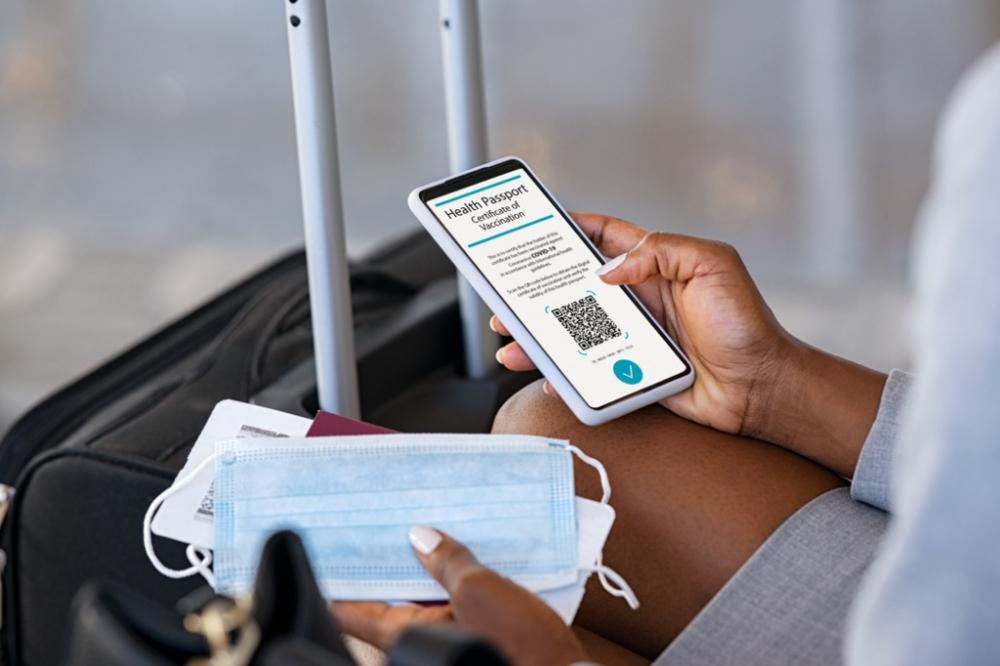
(319, 176)
(322, 208)
(461, 54)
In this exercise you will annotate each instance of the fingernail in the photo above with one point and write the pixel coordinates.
(612, 265)
(492, 325)
(499, 356)
(424, 539)
(547, 389)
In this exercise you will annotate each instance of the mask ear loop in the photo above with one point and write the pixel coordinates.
(599, 466)
(620, 588)
(199, 557)
(610, 580)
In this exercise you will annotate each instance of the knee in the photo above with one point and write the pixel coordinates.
(531, 412)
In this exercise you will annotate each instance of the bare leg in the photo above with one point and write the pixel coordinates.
(693, 504)
(605, 652)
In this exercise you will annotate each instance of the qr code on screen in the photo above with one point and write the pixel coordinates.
(587, 322)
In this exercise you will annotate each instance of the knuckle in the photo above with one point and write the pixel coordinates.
(442, 569)
(661, 243)
(650, 240)
(472, 584)
(455, 550)
(729, 249)
(726, 250)
(450, 556)
(439, 568)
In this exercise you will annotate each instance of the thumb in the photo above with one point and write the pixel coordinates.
(445, 559)
(672, 257)
(631, 267)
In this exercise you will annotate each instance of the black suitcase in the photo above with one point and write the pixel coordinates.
(87, 461)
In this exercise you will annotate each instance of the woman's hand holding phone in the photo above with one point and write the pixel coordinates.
(751, 376)
(703, 295)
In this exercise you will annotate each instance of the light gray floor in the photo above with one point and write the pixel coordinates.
(147, 149)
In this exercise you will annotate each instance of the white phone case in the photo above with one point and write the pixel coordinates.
(569, 395)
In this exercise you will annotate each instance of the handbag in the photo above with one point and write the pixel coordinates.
(285, 621)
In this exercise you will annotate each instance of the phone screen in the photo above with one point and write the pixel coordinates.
(540, 264)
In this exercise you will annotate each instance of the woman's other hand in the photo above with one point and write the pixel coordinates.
(511, 618)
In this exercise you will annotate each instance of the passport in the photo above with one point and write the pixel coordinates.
(329, 425)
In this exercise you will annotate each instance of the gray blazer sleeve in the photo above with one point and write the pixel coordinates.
(871, 482)
(930, 597)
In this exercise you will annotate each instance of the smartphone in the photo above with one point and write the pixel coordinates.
(528, 260)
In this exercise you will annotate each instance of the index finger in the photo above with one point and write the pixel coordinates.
(445, 559)
(611, 235)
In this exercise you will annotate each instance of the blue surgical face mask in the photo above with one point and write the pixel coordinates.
(510, 499)
(355, 499)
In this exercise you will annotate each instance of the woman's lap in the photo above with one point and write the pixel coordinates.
(693, 505)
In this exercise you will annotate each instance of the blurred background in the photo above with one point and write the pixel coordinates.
(147, 153)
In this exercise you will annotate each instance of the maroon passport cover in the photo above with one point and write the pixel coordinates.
(327, 425)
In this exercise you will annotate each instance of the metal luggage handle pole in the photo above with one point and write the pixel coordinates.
(461, 54)
(322, 208)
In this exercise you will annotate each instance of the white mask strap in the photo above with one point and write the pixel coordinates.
(616, 586)
(199, 557)
(610, 579)
(599, 466)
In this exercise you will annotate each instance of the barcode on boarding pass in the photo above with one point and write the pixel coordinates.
(206, 508)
